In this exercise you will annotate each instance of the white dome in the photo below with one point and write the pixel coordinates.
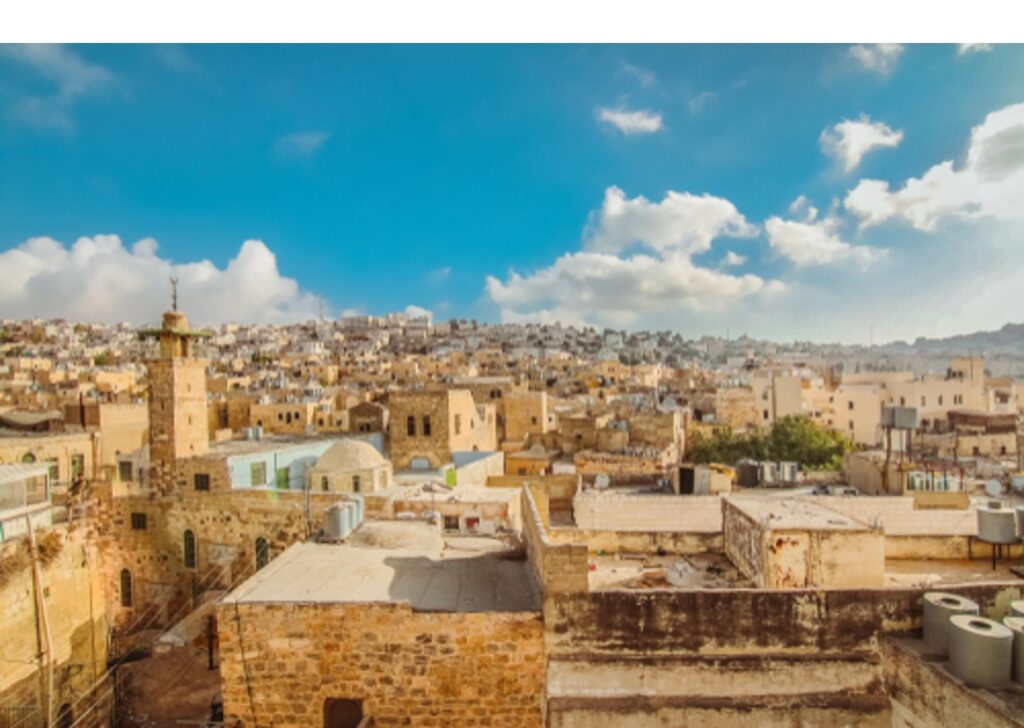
(350, 455)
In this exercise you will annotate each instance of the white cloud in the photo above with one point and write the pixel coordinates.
(439, 275)
(878, 57)
(682, 221)
(73, 77)
(848, 141)
(629, 122)
(416, 311)
(815, 242)
(964, 49)
(175, 58)
(99, 279)
(732, 259)
(697, 103)
(644, 77)
(602, 285)
(301, 144)
(990, 183)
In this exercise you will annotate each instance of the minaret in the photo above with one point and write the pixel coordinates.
(177, 393)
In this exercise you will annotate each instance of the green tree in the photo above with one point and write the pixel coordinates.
(792, 438)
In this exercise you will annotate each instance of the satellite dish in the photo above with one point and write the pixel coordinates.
(602, 481)
(994, 488)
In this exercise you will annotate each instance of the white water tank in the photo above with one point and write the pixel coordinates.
(336, 522)
(938, 608)
(1017, 608)
(980, 651)
(1016, 625)
(997, 525)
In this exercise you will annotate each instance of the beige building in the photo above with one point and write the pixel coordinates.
(351, 466)
(425, 428)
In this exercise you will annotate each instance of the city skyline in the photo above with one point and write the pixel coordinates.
(700, 189)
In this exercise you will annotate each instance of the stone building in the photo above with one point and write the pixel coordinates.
(177, 393)
(425, 428)
(351, 466)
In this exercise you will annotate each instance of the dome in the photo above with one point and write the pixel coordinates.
(350, 455)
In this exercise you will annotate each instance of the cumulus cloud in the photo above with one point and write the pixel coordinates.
(989, 183)
(877, 57)
(640, 75)
(848, 141)
(100, 279)
(301, 144)
(73, 78)
(732, 259)
(604, 284)
(413, 311)
(964, 49)
(629, 122)
(697, 103)
(682, 221)
(811, 241)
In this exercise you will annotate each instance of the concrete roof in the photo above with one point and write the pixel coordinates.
(794, 514)
(466, 575)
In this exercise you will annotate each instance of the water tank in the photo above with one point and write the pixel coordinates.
(257, 432)
(938, 608)
(334, 523)
(980, 651)
(350, 516)
(997, 525)
(1018, 513)
(360, 505)
(788, 472)
(1017, 608)
(1016, 625)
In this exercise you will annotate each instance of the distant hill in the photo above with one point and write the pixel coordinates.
(1007, 340)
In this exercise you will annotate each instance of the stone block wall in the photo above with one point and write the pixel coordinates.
(280, 662)
(559, 568)
(608, 511)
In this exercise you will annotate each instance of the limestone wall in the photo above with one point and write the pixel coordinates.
(73, 589)
(558, 568)
(608, 511)
(279, 662)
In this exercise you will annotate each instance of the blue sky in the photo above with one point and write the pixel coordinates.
(504, 183)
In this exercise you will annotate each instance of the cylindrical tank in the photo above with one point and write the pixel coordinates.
(1018, 513)
(1016, 625)
(980, 651)
(334, 524)
(346, 518)
(1017, 608)
(938, 608)
(357, 500)
(997, 525)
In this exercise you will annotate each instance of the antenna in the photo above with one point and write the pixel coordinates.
(174, 293)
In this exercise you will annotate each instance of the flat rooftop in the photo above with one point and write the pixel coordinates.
(398, 561)
(269, 443)
(794, 514)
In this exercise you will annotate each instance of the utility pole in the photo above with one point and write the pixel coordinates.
(43, 637)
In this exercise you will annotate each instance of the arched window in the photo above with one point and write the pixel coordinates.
(189, 541)
(324, 485)
(355, 483)
(262, 553)
(28, 458)
(126, 588)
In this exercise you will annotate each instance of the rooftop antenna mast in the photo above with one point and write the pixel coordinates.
(174, 294)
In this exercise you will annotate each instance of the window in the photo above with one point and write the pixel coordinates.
(324, 484)
(138, 521)
(923, 400)
(903, 401)
(764, 414)
(410, 426)
(126, 588)
(342, 713)
(281, 476)
(189, 544)
(451, 523)
(458, 424)
(124, 471)
(54, 471)
(426, 425)
(533, 420)
(355, 483)
(849, 405)
(851, 425)
(28, 458)
(280, 417)
(258, 473)
(262, 553)
(201, 481)
(940, 400)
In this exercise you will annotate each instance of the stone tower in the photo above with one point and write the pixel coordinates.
(177, 396)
